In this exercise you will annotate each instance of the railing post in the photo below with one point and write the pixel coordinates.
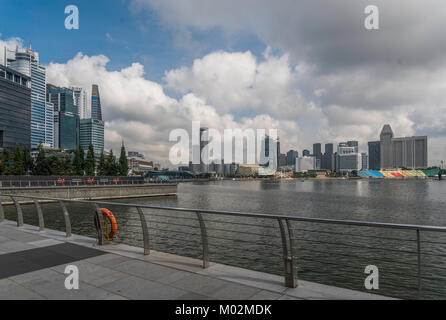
(67, 219)
(204, 240)
(2, 213)
(100, 222)
(39, 215)
(419, 263)
(19, 212)
(145, 231)
(288, 259)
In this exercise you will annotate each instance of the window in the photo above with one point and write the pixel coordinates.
(9, 76)
(2, 74)
(16, 79)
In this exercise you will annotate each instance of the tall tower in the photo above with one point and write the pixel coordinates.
(27, 61)
(386, 149)
(96, 110)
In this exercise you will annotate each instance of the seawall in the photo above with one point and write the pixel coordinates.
(93, 192)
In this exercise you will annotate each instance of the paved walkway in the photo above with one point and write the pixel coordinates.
(32, 266)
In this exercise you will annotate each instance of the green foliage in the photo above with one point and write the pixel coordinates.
(79, 161)
(123, 164)
(41, 166)
(19, 169)
(89, 161)
(5, 166)
(101, 166)
(111, 167)
(28, 161)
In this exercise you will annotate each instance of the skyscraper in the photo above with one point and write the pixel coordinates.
(92, 131)
(204, 157)
(291, 157)
(317, 153)
(27, 62)
(96, 109)
(374, 155)
(305, 153)
(66, 119)
(80, 100)
(15, 108)
(327, 162)
(404, 152)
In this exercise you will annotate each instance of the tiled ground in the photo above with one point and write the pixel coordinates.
(33, 265)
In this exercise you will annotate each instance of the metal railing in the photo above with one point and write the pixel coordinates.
(304, 242)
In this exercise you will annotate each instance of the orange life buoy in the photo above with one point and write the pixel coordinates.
(114, 225)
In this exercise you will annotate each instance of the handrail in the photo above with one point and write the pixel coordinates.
(252, 215)
(286, 231)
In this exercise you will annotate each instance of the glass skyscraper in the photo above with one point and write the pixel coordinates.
(92, 131)
(96, 110)
(27, 62)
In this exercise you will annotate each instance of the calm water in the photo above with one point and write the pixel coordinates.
(330, 254)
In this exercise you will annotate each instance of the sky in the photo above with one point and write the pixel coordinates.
(306, 67)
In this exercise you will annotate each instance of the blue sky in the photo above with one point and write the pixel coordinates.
(135, 37)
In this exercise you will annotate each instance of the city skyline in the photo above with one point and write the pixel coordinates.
(244, 79)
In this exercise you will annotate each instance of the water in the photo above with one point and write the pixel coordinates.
(330, 254)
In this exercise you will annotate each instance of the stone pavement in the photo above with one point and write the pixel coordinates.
(32, 266)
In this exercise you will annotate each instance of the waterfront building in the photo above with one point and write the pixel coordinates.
(348, 158)
(137, 162)
(204, 157)
(291, 157)
(92, 131)
(15, 108)
(374, 155)
(27, 62)
(270, 152)
(364, 161)
(66, 119)
(317, 153)
(306, 163)
(282, 160)
(404, 152)
(328, 158)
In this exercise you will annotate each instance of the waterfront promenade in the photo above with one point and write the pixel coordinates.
(32, 266)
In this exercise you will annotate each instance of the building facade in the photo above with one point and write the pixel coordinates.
(348, 158)
(304, 164)
(404, 152)
(374, 155)
(291, 157)
(80, 100)
(96, 108)
(15, 108)
(92, 131)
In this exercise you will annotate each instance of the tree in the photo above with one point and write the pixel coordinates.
(123, 164)
(28, 162)
(79, 161)
(111, 168)
(101, 167)
(89, 161)
(19, 169)
(40, 167)
(5, 167)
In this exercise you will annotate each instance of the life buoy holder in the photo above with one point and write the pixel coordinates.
(108, 215)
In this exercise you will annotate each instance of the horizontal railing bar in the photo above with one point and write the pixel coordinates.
(257, 215)
(354, 235)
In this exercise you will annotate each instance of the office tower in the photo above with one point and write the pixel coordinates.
(27, 62)
(66, 119)
(269, 153)
(348, 158)
(92, 131)
(96, 108)
(204, 156)
(304, 164)
(282, 160)
(364, 161)
(327, 162)
(305, 153)
(15, 108)
(291, 157)
(80, 100)
(404, 152)
(353, 144)
(374, 155)
(386, 147)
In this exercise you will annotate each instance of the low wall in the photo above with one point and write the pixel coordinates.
(94, 192)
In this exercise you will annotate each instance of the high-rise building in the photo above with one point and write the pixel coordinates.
(80, 100)
(303, 164)
(96, 108)
(348, 158)
(15, 108)
(327, 162)
(405, 152)
(92, 131)
(291, 157)
(364, 161)
(353, 144)
(306, 153)
(66, 119)
(27, 62)
(374, 155)
(269, 153)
